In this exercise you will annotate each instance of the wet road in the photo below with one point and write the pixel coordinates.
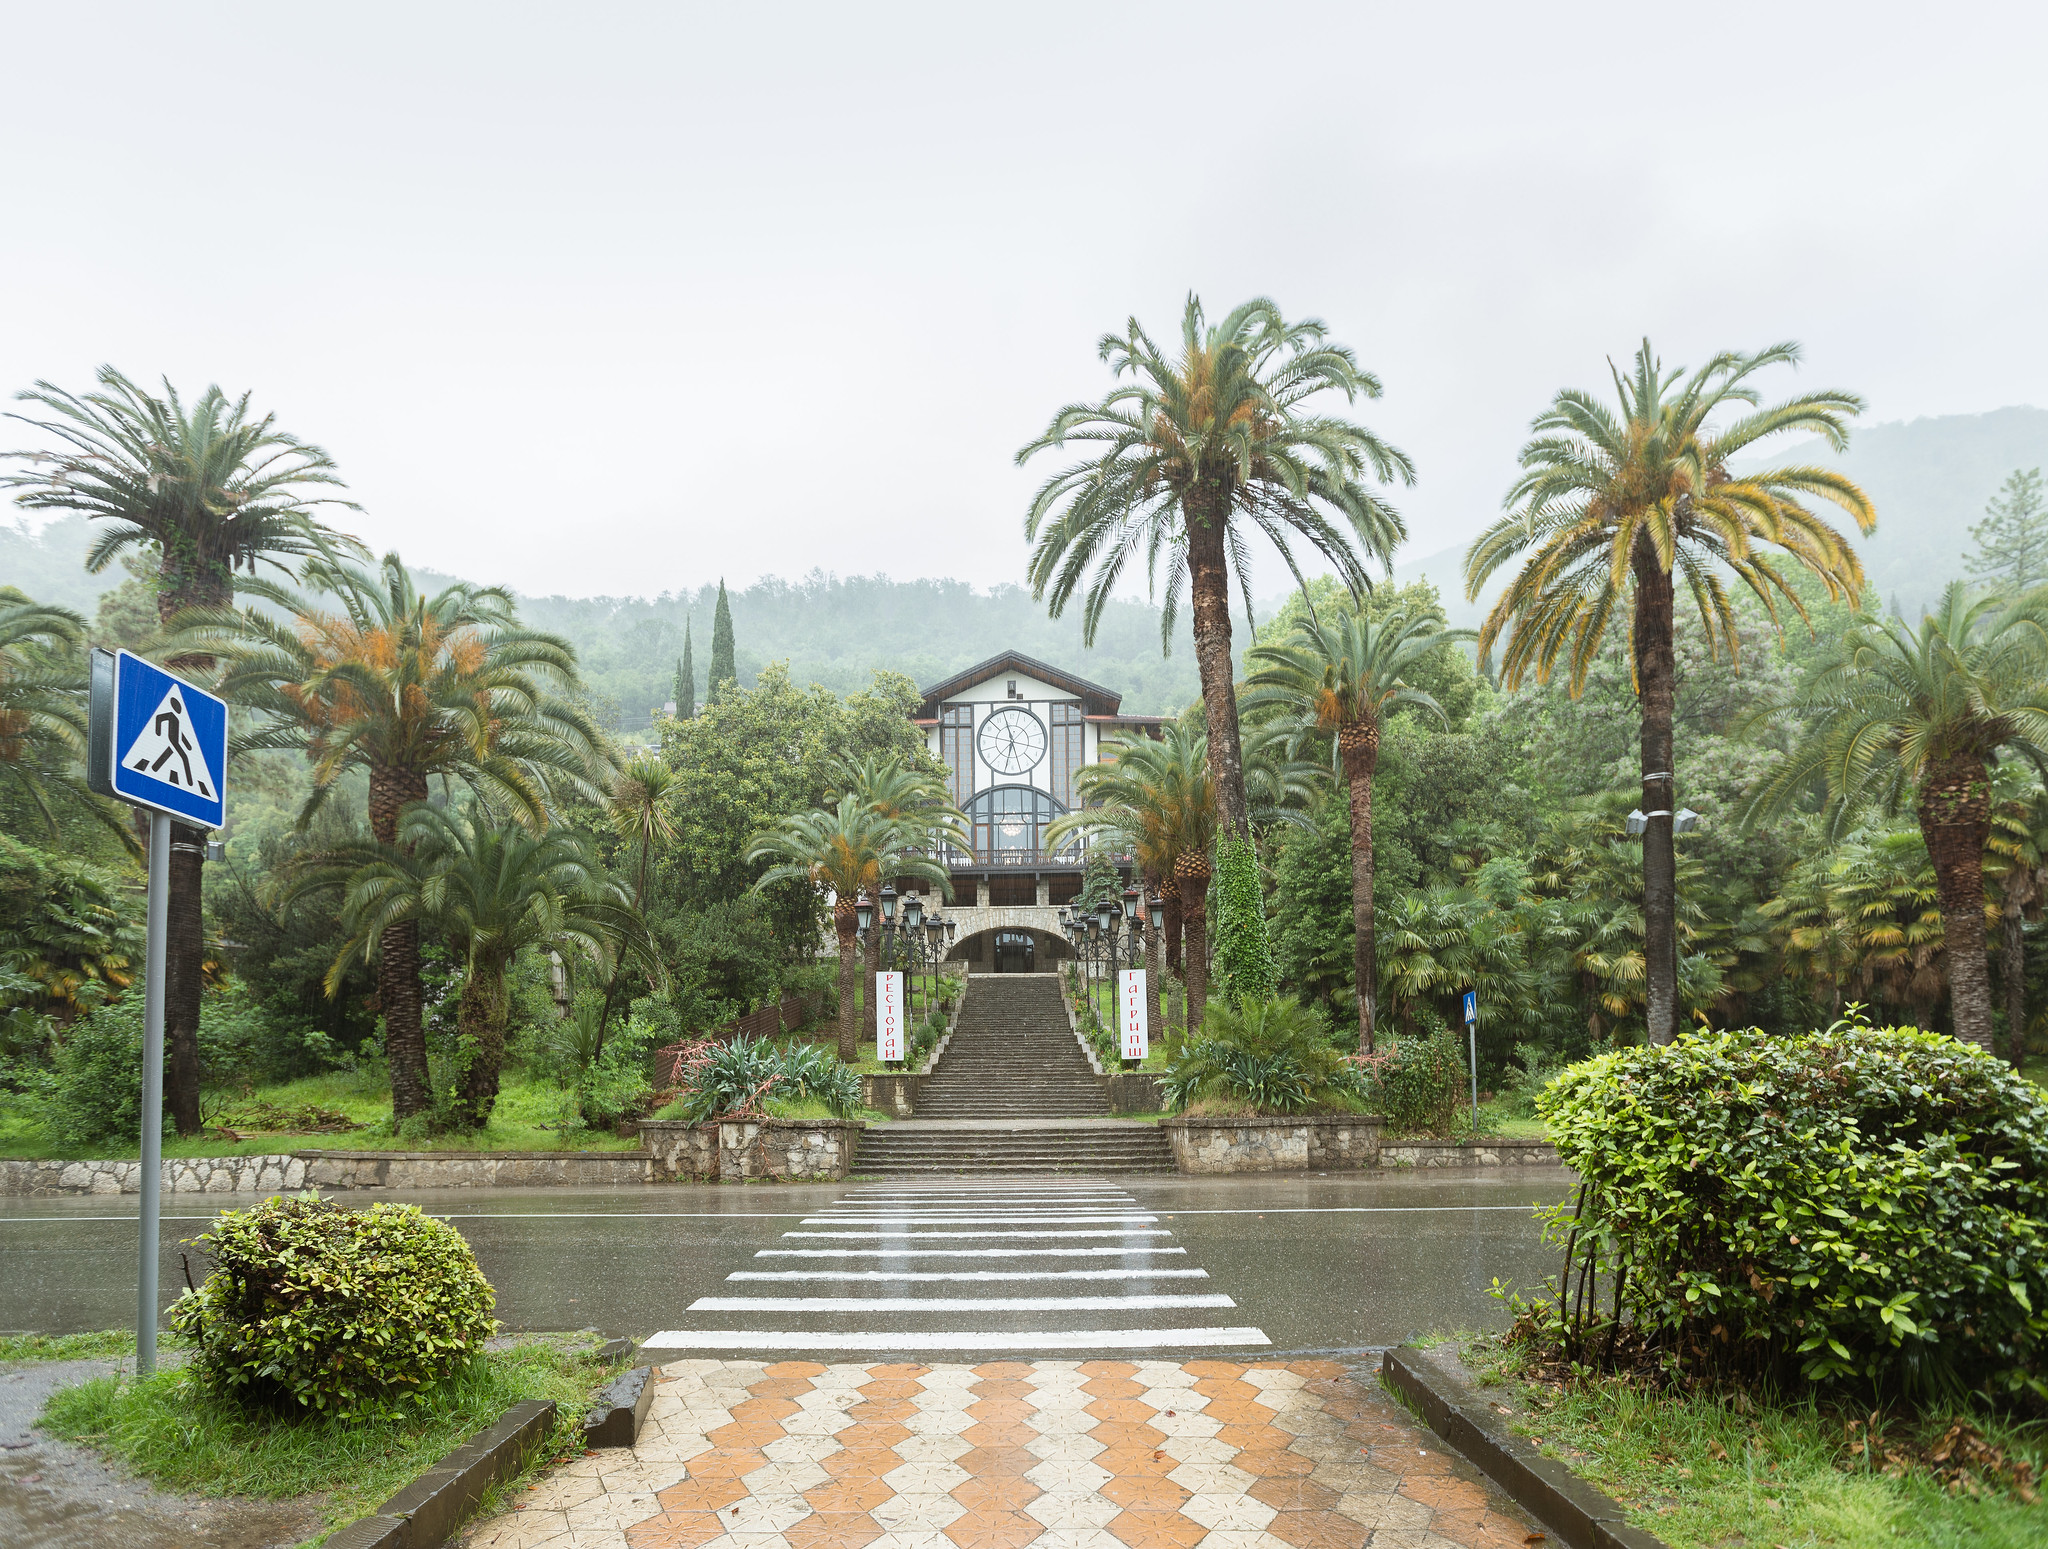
(1311, 1263)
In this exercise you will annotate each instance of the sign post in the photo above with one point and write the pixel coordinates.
(889, 1015)
(1472, 1039)
(1137, 1041)
(155, 742)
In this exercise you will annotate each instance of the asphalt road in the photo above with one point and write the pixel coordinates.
(1304, 1262)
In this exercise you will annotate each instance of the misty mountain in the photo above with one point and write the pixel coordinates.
(1929, 479)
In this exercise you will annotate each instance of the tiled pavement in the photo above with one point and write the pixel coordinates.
(1097, 1454)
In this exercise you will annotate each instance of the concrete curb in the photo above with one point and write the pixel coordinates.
(621, 1409)
(426, 1512)
(1584, 1517)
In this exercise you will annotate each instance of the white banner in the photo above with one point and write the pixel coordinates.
(889, 1016)
(1131, 1006)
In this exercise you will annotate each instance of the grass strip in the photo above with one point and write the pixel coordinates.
(174, 1432)
(1720, 1470)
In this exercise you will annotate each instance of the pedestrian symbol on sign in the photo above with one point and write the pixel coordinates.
(167, 748)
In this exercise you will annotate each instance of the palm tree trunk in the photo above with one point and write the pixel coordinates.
(870, 966)
(1193, 874)
(1207, 508)
(1169, 889)
(1656, 682)
(1955, 820)
(1359, 743)
(183, 585)
(844, 922)
(398, 958)
(480, 1014)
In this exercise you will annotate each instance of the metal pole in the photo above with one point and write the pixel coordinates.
(152, 1090)
(1472, 1034)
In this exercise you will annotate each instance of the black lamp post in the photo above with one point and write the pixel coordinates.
(864, 913)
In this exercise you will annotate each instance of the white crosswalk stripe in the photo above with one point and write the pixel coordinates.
(902, 1237)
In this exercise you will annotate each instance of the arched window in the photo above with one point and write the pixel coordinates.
(1008, 825)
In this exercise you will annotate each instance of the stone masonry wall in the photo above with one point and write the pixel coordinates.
(680, 1149)
(1322, 1141)
(787, 1149)
(197, 1175)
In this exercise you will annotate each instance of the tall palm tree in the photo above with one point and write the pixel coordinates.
(1341, 679)
(492, 889)
(407, 687)
(215, 489)
(908, 792)
(1612, 508)
(641, 810)
(1202, 447)
(1924, 712)
(42, 699)
(847, 849)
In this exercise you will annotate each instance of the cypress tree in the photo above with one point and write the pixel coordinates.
(722, 669)
(686, 680)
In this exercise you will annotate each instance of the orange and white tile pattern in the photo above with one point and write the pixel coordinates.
(1060, 1454)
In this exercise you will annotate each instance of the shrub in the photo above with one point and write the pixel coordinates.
(812, 1070)
(343, 1312)
(1274, 1055)
(1417, 1083)
(1861, 1203)
(98, 1090)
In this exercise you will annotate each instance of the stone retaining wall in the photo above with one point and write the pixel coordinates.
(1466, 1153)
(681, 1150)
(1324, 1141)
(196, 1175)
(791, 1149)
(472, 1169)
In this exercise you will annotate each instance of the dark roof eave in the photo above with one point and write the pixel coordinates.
(1101, 699)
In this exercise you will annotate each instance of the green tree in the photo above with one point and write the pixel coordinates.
(213, 489)
(846, 849)
(1923, 712)
(641, 812)
(369, 672)
(1204, 446)
(2012, 540)
(724, 674)
(1613, 508)
(916, 793)
(686, 679)
(71, 931)
(491, 890)
(1340, 679)
(42, 700)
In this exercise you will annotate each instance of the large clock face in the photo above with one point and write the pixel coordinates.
(1012, 741)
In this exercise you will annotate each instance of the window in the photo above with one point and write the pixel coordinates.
(1008, 824)
(1063, 887)
(956, 749)
(1067, 743)
(1012, 892)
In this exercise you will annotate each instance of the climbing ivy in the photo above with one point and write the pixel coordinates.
(1244, 954)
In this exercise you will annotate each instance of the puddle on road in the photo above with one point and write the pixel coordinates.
(45, 1505)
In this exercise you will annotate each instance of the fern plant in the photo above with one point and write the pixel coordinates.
(1273, 1056)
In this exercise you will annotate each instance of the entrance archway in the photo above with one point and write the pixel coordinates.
(1016, 952)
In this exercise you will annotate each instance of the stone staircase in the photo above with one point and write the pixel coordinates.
(1013, 1093)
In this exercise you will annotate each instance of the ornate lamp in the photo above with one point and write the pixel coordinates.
(889, 904)
(913, 911)
(1134, 902)
(864, 912)
(1105, 911)
(1157, 909)
(952, 929)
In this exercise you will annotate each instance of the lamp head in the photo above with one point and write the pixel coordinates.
(1103, 910)
(889, 903)
(864, 913)
(952, 928)
(1684, 820)
(1637, 823)
(1133, 899)
(1157, 909)
(913, 911)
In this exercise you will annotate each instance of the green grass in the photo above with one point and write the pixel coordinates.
(1707, 1471)
(523, 1107)
(99, 1345)
(174, 1432)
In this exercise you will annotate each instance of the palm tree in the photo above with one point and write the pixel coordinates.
(1342, 679)
(641, 809)
(912, 793)
(1611, 509)
(847, 848)
(215, 489)
(1925, 712)
(492, 890)
(1200, 449)
(407, 687)
(2019, 840)
(42, 699)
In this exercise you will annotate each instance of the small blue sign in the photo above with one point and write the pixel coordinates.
(1471, 1005)
(170, 743)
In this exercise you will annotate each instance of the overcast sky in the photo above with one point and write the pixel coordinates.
(624, 298)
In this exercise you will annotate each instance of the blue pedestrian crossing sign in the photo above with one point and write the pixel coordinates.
(158, 742)
(1471, 1005)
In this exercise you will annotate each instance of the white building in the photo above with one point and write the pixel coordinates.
(1013, 732)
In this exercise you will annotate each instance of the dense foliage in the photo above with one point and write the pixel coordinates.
(1270, 1056)
(1856, 1204)
(1416, 1083)
(311, 1306)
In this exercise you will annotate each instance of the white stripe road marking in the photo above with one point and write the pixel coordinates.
(978, 1304)
(949, 1219)
(977, 1276)
(1115, 1231)
(1087, 1339)
(96, 1219)
(959, 1253)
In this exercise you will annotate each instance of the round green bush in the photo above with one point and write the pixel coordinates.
(1865, 1204)
(312, 1307)
(1417, 1083)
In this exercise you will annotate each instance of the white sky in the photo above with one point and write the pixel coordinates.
(623, 298)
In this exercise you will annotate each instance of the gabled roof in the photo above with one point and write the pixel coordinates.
(1096, 700)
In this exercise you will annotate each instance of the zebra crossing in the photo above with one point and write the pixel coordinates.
(1051, 1266)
